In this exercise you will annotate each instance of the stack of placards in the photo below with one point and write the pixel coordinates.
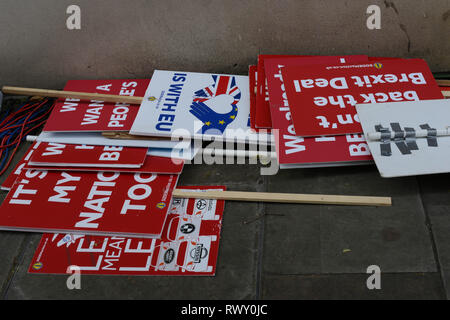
(91, 194)
(110, 191)
(100, 198)
(99, 179)
(309, 103)
(73, 120)
(106, 171)
(188, 245)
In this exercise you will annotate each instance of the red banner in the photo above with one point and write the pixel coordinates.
(322, 98)
(76, 115)
(95, 203)
(262, 114)
(152, 164)
(298, 151)
(73, 155)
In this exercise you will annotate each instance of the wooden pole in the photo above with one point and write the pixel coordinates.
(72, 95)
(91, 96)
(286, 197)
(443, 83)
(127, 136)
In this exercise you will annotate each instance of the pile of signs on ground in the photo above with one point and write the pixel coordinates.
(349, 110)
(99, 180)
(105, 205)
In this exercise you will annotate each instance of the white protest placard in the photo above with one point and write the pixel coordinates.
(408, 138)
(197, 105)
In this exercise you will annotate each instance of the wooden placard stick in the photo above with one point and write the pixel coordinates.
(286, 197)
(127, 136)
(71, 94)
(443, 83)
(91, 96)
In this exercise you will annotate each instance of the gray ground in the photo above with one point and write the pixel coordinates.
(287, 251)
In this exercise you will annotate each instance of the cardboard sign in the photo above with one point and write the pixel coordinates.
(97, 139)
(188, 246)
(180, 149)
(197, 105)
(75, 115)
(96, 203)
(414, 137)
(263, 119)
(275, 83)
(73, 155)
(253, 78)
(299, 152)
(322, 98)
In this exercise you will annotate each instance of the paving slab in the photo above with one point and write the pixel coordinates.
(243, 177)
(11, 247)
(11, 243)
(237, 267)
(435, 190)
(424, 286)
(313, 239)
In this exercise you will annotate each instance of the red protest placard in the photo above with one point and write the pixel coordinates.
(298, 152)
(76, 115)
(322, 98)
(152, 164)
(275, 83)
(188, 246)
(77, 155)
(262, 114)
(95, 203)
(294, 151)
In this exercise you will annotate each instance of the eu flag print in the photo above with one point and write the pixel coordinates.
(214, 122)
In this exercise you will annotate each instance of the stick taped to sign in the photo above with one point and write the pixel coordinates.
(408, 138)
(421, 133)
(405, 139)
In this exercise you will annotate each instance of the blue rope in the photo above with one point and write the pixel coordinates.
(13, 133)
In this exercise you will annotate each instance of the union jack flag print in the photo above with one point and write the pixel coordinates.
(214, 122)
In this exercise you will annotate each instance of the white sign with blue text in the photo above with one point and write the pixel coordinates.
(408, 138)
(197, 105)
